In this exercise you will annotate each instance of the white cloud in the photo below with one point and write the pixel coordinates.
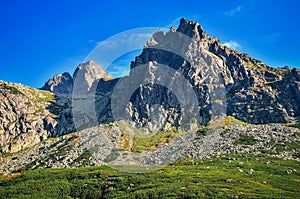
(233, 12)
(232, 44)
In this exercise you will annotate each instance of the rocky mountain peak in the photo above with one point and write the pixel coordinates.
(254, 92)
(60, 84)
(87, 74)
(91, 69)
(191, 29)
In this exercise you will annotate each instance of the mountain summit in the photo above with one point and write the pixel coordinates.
(87, 73)
(250, 90)
(61, 84)
(225, 81)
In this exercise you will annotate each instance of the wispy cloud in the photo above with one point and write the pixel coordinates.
(118, 71)
(174, 23)
(233, 12)
(270, 38)
(126, 39)
(107, 51)
(233, 44)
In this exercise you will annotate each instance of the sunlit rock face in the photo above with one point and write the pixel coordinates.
(61, 84)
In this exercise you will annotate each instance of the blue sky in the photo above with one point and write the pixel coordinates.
(42, 38)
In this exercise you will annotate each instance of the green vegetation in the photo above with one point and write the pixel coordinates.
(5, 154)
(202, 132)
(295, 125)
(245, 139)
(230, 119)
(40, 109)
(111, 157)
(12, 89)
(283, 146)
(142, 143)
(84, 158)
(225, 177)
(41, 96)
(147, 141)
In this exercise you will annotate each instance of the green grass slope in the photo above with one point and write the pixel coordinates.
(242, 175)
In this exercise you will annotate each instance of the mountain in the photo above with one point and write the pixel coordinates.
(87, 74)
(187, 96)
(252, 88)
(24, 119)
(225, 81)
(61, 84)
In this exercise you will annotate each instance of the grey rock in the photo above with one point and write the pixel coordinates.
(86, 75)
(59, 84)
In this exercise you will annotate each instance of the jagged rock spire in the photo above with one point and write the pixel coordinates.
(191, 29)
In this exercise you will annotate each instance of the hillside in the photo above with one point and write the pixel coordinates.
(233, 176)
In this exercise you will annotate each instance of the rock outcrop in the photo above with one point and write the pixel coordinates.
(86, 75)
(225, 81)
(29, 116)
(25, 119)
(60, 84)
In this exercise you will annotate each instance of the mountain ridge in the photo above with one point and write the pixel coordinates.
(225, 82)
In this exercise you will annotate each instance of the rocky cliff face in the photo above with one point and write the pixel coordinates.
(86, 75)
(24, 117)
(77, 91)
(226, 82)
(60, 84)
(29, 116)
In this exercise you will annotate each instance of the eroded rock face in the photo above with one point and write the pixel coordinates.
(59, 84)
(288, 92)
(253, 91)
(29, 116)
(86, 75)
(24, 117)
